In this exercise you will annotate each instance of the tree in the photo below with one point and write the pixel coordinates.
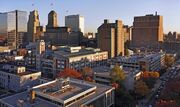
(172, 91)
(151, 74)
(149, 78)
(169, 60)
(86, 72)
(67, 72)
(117, 74)
(22, 52)
(126, 52)
(141, 88)
(124, 99)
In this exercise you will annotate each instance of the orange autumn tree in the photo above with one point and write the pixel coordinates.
(87, 74)
(67, 72)
(151, 74)
(149, 78)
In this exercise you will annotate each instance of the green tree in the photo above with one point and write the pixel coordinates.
(124, 99)
(117, 74)
(126, 52)
(141, 88)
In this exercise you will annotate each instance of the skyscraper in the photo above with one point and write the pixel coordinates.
(111, 38)
(60, 35)
(12, 25)
(33, 24)
(52, 19)
(75, 22)
(147, 31)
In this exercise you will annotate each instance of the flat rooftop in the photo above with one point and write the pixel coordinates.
(14, 71)
(80, 93)
(69, 52)
(75, 89)
(12, 100)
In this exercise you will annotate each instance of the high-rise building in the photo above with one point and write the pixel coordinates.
(33, 24)
(111, 38)
(127, 35)
(60, 35)
(52, 19)
(75, 22)
(12, 25)
(147, 31)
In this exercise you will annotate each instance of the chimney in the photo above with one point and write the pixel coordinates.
(106, 21)
(32, 96)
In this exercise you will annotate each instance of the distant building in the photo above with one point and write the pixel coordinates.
(144, 62)
(147, 31)
(17, 78)
(171, 37)
(75, 22)
(13, 25)
(63, 93)
(52, 20)
(127, 34)
(110, 38)
(60, 35)
(35, 31)
(171, 46)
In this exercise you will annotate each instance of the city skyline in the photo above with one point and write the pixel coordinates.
(124, 10)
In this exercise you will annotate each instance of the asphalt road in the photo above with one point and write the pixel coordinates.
(161, 83)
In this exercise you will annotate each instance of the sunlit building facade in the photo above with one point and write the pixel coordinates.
(13, 24)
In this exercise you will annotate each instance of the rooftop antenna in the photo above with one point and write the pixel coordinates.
(52, 5)
(67, 11)
(156, 13)
(34, 6)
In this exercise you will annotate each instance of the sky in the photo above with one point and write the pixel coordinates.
(95, 11)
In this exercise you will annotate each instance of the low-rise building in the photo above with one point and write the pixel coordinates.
(76, 58)
(144, 62)
(18, 78)
(63, 93)
(102, 76)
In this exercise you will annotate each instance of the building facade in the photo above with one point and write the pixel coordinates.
(34, 29)
(147, 31)
(111, 38)
(50, 63)
(12, 25)
(60, 35)
(17, 78)
(52, 20)
(144, 62)
(75, 22)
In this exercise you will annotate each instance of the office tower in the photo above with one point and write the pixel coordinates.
(33, 24)
(60, 35)
(147, 31)
(12, 26)
(52, 19)
(75, 22)
(111, 38)
(127, 35)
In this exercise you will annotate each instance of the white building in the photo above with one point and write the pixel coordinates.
(75, 22)
(17, 78)
(63, 93)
